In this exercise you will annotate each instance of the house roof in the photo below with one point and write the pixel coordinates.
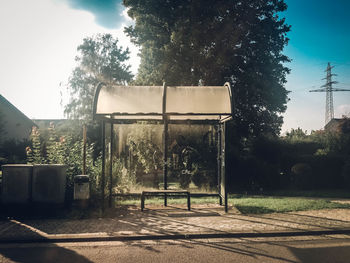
(338, 125)
(5, 102)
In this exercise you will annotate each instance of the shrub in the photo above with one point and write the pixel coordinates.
(300, 161)
(301, 176)
(146, 154)
(64, 149)
(346, 173)
(12, 151)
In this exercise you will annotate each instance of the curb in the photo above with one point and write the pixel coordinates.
(77, 238)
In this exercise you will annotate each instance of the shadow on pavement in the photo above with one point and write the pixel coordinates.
(257, 209)
(42, 254)
(48, 253)
(322, 254)
(173, 211)
(169, 221)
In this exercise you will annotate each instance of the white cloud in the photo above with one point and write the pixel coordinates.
(125, 15)
(38, 44)
(342, 110)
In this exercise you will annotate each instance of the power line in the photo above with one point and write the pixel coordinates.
(328, 88)
(342, 64)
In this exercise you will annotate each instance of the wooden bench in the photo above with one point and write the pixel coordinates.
(165, 193)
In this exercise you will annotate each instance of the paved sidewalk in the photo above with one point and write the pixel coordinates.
(176, 222)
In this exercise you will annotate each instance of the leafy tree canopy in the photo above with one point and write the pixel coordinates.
(2, 125)
(296, 135)
(100, 59)
(187, 42)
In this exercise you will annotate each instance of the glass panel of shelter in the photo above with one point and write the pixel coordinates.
(130, 106)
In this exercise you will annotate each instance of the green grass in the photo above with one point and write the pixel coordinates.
(261, 205)
(252, 204)
(171, 200)
(332, 193)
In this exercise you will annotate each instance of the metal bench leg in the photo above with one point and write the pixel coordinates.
(142, 202)
(188, 201)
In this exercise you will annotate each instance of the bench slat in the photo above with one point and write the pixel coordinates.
(165, 192)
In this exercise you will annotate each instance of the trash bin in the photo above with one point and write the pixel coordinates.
(81, 187)
(16, 183)
(49, 183)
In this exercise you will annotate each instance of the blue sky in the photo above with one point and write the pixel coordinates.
(39, 40)
(106, 12)
(320, 34)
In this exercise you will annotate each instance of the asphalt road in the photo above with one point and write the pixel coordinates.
(288, 249)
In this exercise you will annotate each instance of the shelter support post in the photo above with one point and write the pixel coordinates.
(103, 165)
(223, 165)
(111, 168)
(84, 149)
(165, 158)
(218, 142)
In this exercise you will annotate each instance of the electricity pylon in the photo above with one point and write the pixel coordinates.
(328, 88)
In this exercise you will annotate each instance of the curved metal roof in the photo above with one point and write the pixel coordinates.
(178, 103)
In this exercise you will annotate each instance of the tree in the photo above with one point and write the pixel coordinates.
(2, 125)
(296, 135)
(187, 42)
(100, 59)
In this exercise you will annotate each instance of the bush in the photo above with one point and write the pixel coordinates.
(346, 173)
(121, 178)
(304, 162)
(12, 151)
(301, 176)
(63, 149)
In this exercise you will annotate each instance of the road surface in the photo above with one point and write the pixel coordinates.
(288, 249)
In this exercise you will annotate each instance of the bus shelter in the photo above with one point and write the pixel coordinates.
(165, 105)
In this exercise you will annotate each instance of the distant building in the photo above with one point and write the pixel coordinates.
(14, 124)
(44, 124)
(341, 126)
